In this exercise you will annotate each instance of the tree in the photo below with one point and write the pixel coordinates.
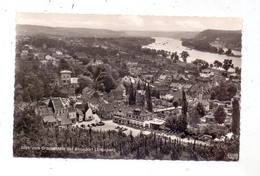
(227, 64)
(171, 122)
(149, 100)
(238, 70)
(64, 65)
(217, 64)
(114, 74)
(182, 120)
(194, 116)
(182, 123)
(56, 91)
(184, 55)
(107, 80)
(157, 94)
(235, 116)
(138, 85)
(87, 73)
(95, 95)
(84, 81)
(184, 103)
(26, 96)
(228, 52)
(220, 115)
(176, 57)
(175, 104)
(131, 98)
(200, 109)
(220, 51)
(232, 90)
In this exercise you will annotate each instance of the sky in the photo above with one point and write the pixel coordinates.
(129, 22)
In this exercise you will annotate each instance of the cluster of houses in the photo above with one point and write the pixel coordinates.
(60, 112)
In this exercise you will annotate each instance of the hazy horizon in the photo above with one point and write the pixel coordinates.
(129, 22)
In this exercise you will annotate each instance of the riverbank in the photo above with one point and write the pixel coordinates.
(174, 45)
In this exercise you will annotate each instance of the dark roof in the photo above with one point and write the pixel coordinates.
(57, 103)
(80, 112)
(194, 88)
(177, 94)
(71, 109)
(80, 106)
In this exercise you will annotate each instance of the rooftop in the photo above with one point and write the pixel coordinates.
(157, 121)
(71, 109)
(65, 71)
(49, 118)
(57, 103)
(166, 109)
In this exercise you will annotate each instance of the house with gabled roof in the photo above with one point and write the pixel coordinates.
(177, 95)
(119, 92)
(58, 107)
(89, 114)
(107, 110)
(174, 85)
(179, 78)
(162, 77)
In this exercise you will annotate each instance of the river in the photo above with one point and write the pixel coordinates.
(174, 45)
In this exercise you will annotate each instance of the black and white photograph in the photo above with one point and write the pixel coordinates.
(131, 87)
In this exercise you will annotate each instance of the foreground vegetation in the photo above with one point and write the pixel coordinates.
(29, 132)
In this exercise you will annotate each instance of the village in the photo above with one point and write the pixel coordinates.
(96, 109)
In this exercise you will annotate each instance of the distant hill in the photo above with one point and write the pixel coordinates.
(224, 37)
(69, 32)
(187, 35)
(101, 33)
(170, 34)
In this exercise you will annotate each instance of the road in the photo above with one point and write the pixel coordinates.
(110, 125)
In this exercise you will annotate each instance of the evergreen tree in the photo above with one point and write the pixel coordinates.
(149, 100)
(134, 98)
(235, 116)
(182, 121)
(138, 86)
(157, 94)
(184, 103)
(131, 95)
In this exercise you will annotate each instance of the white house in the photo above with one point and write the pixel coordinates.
(89, 114)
